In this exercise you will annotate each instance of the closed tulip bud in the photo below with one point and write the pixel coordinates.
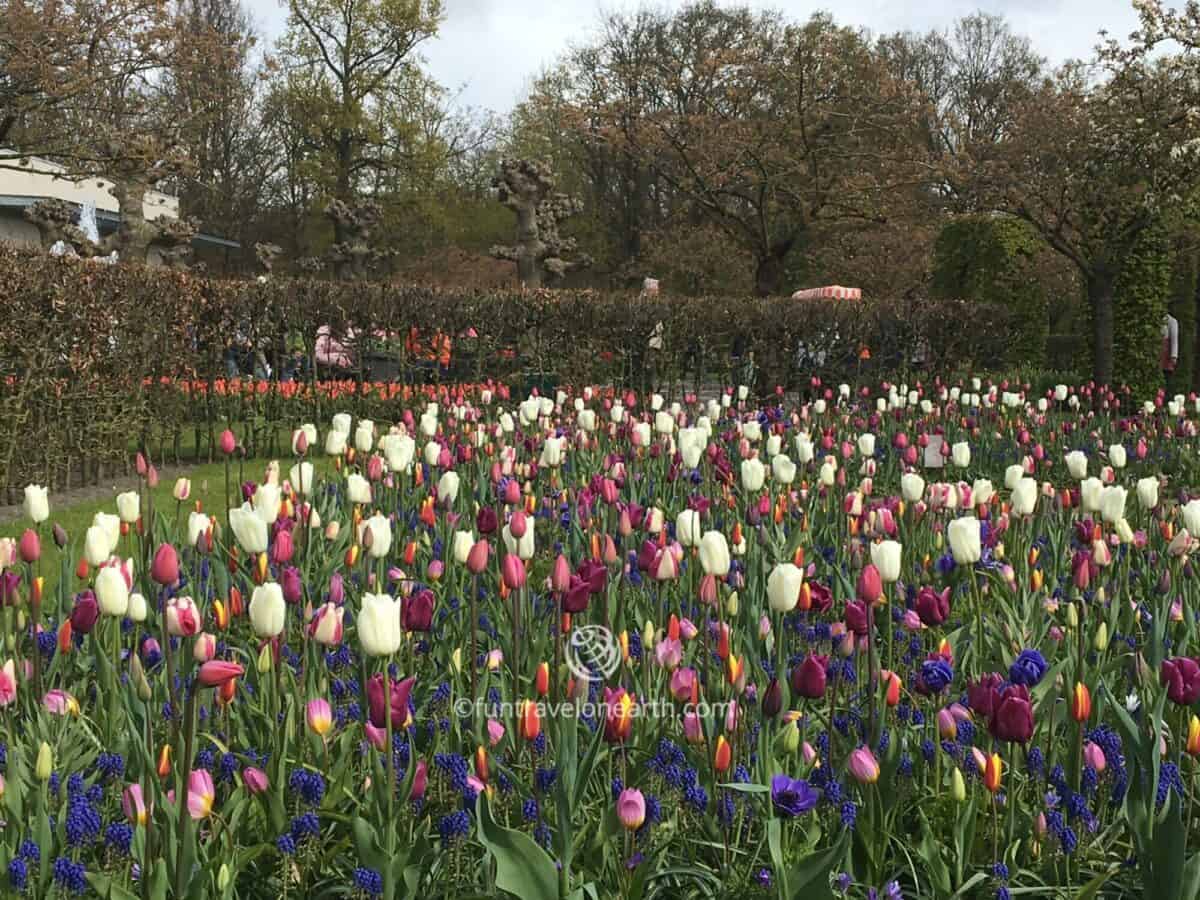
(265, 660)
(772, 701)
(958, 788)
(1072, 616)
(228, 442)
(45, 762)
(204, 647)
(788, 740)
(1193, 737)
(164, 761)
(1100, 642)
(137, 675)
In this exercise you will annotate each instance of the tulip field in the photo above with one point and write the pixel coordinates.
(929, 640)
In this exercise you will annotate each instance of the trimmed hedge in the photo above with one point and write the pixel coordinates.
(98, 359)
(1184, 265)
(989, 259)
(1141, 296)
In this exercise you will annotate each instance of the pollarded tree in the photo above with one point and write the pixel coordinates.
(541, 249)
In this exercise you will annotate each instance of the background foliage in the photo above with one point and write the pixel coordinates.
(97, 359)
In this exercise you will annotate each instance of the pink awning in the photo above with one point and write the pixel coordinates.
(830, 292)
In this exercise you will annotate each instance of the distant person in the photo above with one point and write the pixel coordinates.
(1170, 346)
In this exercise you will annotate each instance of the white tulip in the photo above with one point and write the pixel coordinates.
(111, 526)
(754, 473)
(963, 534)
(335, 442)
(1077, 464)
(112, 593)
(687, 528)
(138, 609)
(587, 419)
(714, 554)
(552, 453)
(301, 476)
(783, 469)
(197, 525)
(1089, 494)
(752, 431)
(1191, 516)
(447, 487)
(524, 548)
(804, 449)
(364, 436)
(885, 556)
(1112, 504)
(249, 528)
(981, 491)
(429, 424)
(641, 434)
(463, 542)
(129, 505)
(1116, 456)
(960, 454)
(381, 535)
(912, 487)
(358, 489)
(398, 451)
(378, 625)
(341, 423)
(1012, 475)
(267, 610)
(1024, 496)
(1147, 492)
(37, 503)
(783, 587)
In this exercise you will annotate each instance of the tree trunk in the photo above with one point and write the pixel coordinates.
(768, 275)
(1100, 298)
(529, 246)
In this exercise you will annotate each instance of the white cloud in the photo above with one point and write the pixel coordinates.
(493, 48)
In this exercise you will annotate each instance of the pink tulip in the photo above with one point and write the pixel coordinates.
(420, 781)
(30, 546)
(8, 684)
(513, 572)
(165, 568)
(477, 559)
(631, 809)
(60, 703)
(182, 618)
(863, 766)
(256, 780)
(228, 442)
(200, 794)
(217, 672)
(133, 804)
(319, 715)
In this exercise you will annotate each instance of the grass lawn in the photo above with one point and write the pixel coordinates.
(207, 495)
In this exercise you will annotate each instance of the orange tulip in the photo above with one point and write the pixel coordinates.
(1081, 703)
(542, 679)
(64, 637)
(530, 721)
(992, 772)
(723, 755)
(164, 761)
(734, 669)
(236, 605)
(220, 615)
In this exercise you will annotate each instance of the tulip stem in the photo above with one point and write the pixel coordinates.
(472, 624)
(181, 793)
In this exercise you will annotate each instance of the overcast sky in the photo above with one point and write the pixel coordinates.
(491, 49)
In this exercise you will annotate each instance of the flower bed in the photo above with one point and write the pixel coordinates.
(900, 640)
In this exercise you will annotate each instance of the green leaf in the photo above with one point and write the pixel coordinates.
(522, 867)
(810, 879)
(366, 842)
(1092, 888)
(746, 788)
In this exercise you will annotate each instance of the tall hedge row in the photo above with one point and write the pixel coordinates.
(1142, 291)
(1185, 264)
(989, 259)
(98, 359)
